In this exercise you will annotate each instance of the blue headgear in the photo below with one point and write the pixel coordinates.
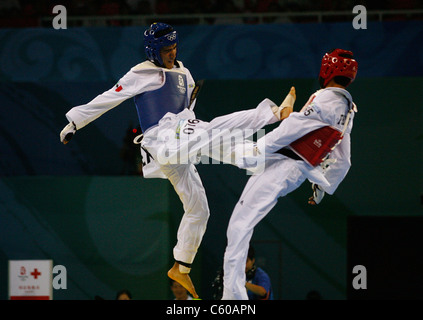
(157, 36)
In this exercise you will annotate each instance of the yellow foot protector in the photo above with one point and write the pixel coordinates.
(183, 279)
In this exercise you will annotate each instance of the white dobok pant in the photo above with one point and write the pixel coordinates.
(168, 138)
(281, 176)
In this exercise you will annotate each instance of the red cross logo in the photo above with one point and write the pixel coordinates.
(35, 273)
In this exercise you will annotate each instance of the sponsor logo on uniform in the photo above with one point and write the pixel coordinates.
(181, 84)
(318, 143)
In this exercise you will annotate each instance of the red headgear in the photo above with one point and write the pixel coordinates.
(338, 62)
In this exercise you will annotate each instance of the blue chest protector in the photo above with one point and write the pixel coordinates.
(171, 97)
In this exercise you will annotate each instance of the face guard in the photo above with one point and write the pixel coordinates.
(157, 36)
(337, 62)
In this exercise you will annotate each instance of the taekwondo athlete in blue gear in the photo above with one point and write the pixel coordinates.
(172, 96)
(162, 90)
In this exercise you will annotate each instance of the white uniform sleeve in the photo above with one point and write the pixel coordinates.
(131, 84)
(338, 170)
(292, 128)
(337, 105)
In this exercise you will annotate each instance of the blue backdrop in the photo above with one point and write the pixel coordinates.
(211, 52)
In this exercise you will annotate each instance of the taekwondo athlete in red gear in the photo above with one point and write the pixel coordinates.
(312, 144)
(162, 90)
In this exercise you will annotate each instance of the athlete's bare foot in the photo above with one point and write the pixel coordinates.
(183, 279)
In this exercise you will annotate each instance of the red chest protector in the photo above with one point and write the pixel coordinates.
(315, 146)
